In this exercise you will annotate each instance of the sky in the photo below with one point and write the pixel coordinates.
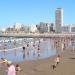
(34, 11)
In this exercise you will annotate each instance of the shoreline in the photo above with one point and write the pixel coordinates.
(43, 66)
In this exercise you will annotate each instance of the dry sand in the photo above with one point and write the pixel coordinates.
(43, 66)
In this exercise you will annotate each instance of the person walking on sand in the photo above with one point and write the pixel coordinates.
(57, 61)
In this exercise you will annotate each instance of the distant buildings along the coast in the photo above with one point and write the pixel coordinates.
(43, 27)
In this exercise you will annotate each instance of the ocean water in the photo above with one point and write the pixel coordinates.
(11, 48)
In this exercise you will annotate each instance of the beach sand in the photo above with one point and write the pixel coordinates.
(44, 66)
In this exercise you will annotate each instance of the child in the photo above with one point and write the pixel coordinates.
(18, 67)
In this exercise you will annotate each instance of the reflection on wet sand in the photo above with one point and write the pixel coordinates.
(64, 43)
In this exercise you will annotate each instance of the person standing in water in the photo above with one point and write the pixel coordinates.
(28, 49)
(38, 50)
(14, 43)
(23, 48)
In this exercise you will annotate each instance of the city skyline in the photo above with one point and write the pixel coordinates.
(34, 11)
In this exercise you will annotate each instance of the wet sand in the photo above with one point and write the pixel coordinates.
(44, 66)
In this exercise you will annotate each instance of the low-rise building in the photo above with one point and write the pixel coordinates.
(66, 29)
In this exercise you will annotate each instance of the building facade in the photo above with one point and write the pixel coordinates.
(42, 27)
(72, 28)
(65, 29)
(58, 20)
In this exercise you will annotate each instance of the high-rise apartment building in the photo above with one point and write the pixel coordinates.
(58, 19)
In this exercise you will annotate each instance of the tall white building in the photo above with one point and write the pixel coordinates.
(58, 19)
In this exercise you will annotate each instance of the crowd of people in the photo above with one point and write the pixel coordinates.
(14, 69)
